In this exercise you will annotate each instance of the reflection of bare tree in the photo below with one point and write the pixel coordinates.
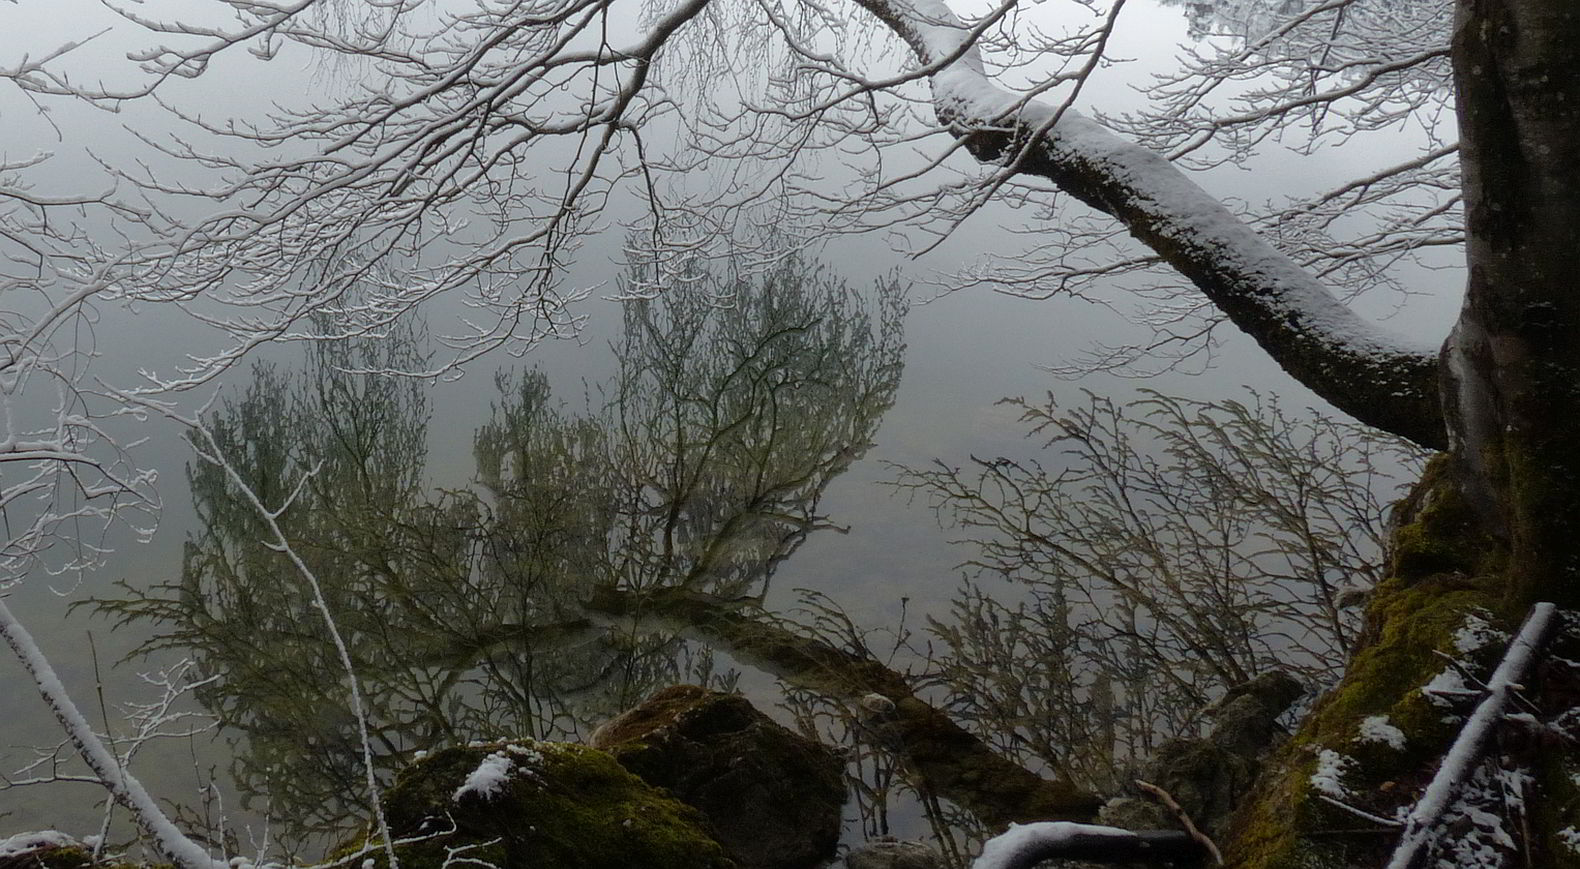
(1182, 548)
(943, 758)
(734, 407)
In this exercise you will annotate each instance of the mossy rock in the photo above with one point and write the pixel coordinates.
(541, 805)
(43, 851)
(773, 797)
(1443, 576)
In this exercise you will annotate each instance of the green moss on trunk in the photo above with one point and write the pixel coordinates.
(1443, 573)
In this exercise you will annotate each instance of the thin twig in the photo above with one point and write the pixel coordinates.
(1184, 819)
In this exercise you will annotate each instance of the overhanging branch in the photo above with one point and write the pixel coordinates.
(1379, 378)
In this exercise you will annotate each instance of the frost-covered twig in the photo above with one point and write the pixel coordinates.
(1472, 741)
(209, 450)
(127, 790)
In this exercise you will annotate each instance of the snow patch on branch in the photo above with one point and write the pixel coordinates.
(1021, 843)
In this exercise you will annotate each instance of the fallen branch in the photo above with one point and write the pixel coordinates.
(1473, 739)
(1184, 819)
(949, 759)
(168, 839)
(1024, 846)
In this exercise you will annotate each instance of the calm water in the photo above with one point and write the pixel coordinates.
(741, 452)
(744, 452)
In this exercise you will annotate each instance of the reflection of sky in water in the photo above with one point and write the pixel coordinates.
(966, 351)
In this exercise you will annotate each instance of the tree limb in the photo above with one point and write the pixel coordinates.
(1379, 378)
(951, 760)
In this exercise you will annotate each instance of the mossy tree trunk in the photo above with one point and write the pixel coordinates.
(1495, 524)
(1513, 372)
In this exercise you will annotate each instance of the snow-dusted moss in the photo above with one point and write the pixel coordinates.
(1442, 577)
(1377, 729)
(544, 805)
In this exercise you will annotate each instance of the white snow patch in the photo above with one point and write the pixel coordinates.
(1376, 728)
(1329, 777)
(22, 843)
(1445, 687)
(1480, 839)
(1571, 838)
(526, 752)
(1021, 841)
(1477, 634)
(489, 777)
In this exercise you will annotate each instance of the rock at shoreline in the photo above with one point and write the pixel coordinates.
(44, 850)
(772, 796)
(543, 805)
(890, 853)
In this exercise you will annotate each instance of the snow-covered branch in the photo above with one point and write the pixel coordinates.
(107, 768)
(1380, 378)
(1469, 746)
(1026, 845)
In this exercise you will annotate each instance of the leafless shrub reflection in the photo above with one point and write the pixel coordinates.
(1167, 550)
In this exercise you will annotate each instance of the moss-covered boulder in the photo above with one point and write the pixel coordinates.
(890, 853)
(771, 796)
(1209, 775)
(1435, 630)
(43, 850)
(543, 805)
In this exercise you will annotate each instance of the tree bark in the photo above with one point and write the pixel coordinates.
(1492, 527)
(1513, 372)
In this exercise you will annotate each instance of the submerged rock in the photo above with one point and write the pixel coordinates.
(542, 805)
(771, 796)
(1209, 775)
(889, 853)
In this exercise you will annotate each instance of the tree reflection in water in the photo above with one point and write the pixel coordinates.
(736, 403)
(1176, 549)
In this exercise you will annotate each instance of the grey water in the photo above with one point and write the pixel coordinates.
(592, 423)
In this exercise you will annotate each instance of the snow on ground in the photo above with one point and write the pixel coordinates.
(1474, 832)
(1446, 688)
(1376, 728)
(1477, 634)
(489, 777)
(1329, 776)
